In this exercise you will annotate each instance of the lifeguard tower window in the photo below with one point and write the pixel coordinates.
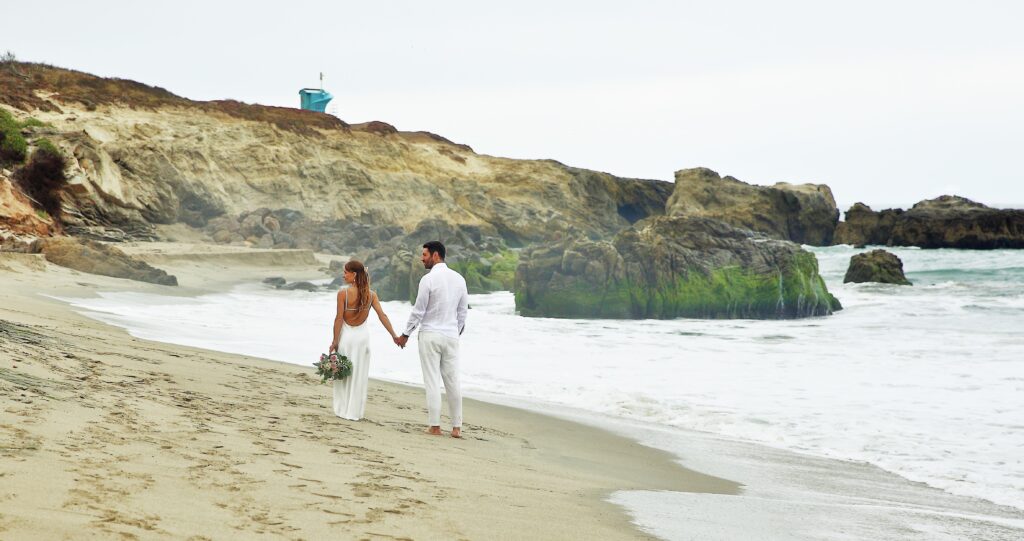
(315, 99)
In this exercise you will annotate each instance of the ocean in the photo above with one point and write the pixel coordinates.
(925, 381)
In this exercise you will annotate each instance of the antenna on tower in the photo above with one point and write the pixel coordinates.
(321, 80)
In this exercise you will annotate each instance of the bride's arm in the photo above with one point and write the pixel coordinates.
(338, 319)
(383, 317)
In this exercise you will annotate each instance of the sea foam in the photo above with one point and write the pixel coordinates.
(924, 381)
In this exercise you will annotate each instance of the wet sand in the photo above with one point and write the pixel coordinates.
(106, 436)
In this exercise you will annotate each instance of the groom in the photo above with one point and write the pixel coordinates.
(440, 313)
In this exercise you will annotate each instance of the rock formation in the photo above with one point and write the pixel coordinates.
(276, 177)
(299, 286)
(876, 266)
(864, 226)
(395, 267)
(944, 222)
(672, 266)
(804, 213)
(702, 259)
(140, 155)
(97, 258)
(16, 212)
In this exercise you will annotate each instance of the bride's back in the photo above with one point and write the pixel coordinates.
(355, 313)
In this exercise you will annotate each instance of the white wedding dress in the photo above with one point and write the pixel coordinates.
(350, 393)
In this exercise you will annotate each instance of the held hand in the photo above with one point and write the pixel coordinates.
(400, 341)
(333, 348)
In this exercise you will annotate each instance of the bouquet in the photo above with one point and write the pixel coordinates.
(333, 367)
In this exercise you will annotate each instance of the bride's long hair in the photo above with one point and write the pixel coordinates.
(362, 281)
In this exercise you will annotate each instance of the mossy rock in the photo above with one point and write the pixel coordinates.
(488, 272)
(673, 267)
(725, 293)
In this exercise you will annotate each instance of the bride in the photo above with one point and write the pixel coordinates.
(352, 339)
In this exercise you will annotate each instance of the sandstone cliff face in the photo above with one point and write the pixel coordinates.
(672, 266)
(20, 221)
(143, 156)
(804, 213)
(944, 222)
(284, 178)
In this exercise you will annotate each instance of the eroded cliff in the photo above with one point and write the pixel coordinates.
(140, 155)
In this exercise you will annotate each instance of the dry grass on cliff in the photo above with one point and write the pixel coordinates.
(21, 83)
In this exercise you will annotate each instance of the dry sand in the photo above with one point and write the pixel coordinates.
(106, 436)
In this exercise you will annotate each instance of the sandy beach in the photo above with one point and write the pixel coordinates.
(706, 292)
(106, 436)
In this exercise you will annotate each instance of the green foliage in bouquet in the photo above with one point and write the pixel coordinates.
(333, 367)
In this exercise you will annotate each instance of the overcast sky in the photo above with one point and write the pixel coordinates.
(888, 102)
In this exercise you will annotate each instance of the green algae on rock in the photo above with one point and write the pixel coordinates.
(395, 267)
(674, 266)
(489, 272)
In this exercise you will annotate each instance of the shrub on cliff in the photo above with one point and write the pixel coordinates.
(12, 145)
(33, 123)
(42, 178)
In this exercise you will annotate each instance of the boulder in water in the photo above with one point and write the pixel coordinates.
(301, 286)
(275, 281)
(876, 266)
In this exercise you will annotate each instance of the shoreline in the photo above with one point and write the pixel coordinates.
(137, 424)
(787, 494)
(784, 495)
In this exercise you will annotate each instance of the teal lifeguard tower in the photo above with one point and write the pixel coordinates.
(315, 99)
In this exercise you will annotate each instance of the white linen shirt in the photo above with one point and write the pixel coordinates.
(441, 303)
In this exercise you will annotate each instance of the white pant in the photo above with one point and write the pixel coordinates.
(439, 357)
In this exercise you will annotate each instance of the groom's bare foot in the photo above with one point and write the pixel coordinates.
(456, 432)
(434, 431)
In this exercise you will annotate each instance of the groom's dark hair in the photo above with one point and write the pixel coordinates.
(435, 247)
